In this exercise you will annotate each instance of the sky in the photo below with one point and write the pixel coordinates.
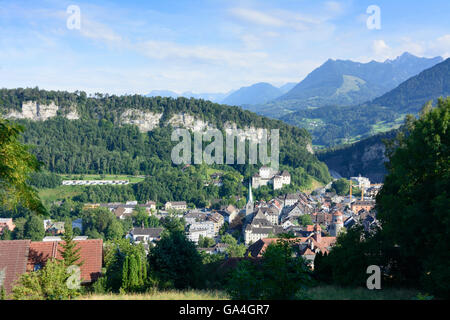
(204, 46)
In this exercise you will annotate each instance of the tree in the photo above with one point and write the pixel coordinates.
(70, 253)
(413, 203)
(140, 217)
(205, 242)
(176, 262)
(236, 250)
(34, 228)
(305, 220)
(19, 230)
(228, 239)
(6, 234)
(49, 283)
(16, 165)
(126, 267)
(341, 186)
(280, 274)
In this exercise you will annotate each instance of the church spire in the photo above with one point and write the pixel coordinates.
(249, 207)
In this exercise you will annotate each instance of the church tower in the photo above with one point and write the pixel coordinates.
(249, 207)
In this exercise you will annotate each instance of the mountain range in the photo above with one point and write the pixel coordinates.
(257, 93)
(336, 125)
(344, 82)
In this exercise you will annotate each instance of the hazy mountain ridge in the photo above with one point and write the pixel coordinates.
(258, 93)
(344, 82)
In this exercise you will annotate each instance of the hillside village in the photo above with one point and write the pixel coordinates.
(312, 221)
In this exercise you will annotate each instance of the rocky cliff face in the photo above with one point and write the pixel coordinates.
(366, 157)
(146, 121)
(33, 110)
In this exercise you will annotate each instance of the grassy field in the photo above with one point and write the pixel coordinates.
(314, 185)
(316, 293)
(59, 193)
(162, 295)
(338, 293)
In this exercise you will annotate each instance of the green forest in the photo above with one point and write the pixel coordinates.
(98, 144)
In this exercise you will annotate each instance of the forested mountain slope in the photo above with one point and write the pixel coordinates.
(74, 133)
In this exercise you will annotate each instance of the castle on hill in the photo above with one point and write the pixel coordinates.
(268, 176)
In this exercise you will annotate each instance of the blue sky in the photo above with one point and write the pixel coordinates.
(126, 47)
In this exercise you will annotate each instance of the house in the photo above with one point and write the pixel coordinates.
(204, 230)
(322, 218)
(267, 176)
(361, 182)
(307, 246)
(54, 228)
(122, 213)
(229, 213)
(6, 223)
(176, 205)
(20, 256)
(124, 210)
(260, 227)
(271, 213)
(358, 205)
(218, 221)
(290, 199)
(145, 235)
(13, 261)
(91, 254)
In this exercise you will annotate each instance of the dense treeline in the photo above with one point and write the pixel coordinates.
(44, 180)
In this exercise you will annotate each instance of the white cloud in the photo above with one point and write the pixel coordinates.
(207, 54)
(257, 17)
(381, 48)
(98, 31)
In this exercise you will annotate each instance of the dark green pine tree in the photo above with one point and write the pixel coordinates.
(69, 251)
(134, 273)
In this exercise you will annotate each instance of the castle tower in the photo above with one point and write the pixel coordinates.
(337, 224)
(249, 207)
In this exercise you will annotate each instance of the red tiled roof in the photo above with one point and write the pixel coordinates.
(258, 248)
(13, 261)
(91, 254)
